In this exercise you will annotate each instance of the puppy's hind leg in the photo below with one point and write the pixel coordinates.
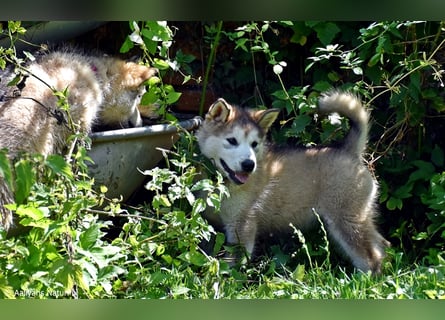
(360, 242)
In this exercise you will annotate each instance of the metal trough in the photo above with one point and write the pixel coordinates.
(118, 154)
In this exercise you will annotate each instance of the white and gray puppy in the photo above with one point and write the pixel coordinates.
(100, 89)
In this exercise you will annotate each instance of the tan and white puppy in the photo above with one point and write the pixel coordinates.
(272, 187)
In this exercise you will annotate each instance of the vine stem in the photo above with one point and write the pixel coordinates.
(428, 62)
(209, 66)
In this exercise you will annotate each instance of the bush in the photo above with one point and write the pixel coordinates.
(396, 67)
(66, 250)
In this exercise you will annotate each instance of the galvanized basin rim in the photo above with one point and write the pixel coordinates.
(120, 155)
(156, 129)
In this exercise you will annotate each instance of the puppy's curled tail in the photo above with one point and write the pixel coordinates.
(350, 106)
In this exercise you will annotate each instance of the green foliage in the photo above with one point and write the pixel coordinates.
(50, 198)
(397, 68)
(165, 245)
(66, 253)
(64, 249)
(71, 250)
(9, 55)
(154, 38)
(434, 235)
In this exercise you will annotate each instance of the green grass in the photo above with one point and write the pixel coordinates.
(418, 282)
(157, 252)
(319, 283)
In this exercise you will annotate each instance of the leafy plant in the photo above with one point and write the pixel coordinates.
(13, 31)
(79, 244)
(154, 38)
(397, 68)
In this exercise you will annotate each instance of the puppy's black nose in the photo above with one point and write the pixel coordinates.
(248, 165)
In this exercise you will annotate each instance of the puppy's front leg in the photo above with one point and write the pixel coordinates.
(242, 233)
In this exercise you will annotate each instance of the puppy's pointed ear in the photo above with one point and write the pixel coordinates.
(134, 75)
(265, 118)
(219, 111)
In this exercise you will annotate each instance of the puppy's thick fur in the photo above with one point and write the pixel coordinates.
(100, 89)
(272, 187)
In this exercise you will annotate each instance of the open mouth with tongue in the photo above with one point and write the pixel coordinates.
(239, 177)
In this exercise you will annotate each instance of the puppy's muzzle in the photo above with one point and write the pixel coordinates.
(239, 177)
(248, 165)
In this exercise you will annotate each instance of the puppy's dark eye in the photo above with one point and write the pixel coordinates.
(232, 141)
(254, 144)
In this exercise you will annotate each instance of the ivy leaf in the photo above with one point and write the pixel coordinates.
(6, 291)
(126, 46)
(326, 32)
(179, 290)
(437, 156)
(161, 201)
(160, 64)
(219, 242)
(298, 273)
(394, 203)
(241, 43)
(149, 97)
(58, 164)
(25, 178)
(89, 237)
(173, 96)
(33, 217)
(322, 86)
(415, 86)
(300, 124)
(374, 59)
(195, 258)
(199, 206)
(425, 171)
